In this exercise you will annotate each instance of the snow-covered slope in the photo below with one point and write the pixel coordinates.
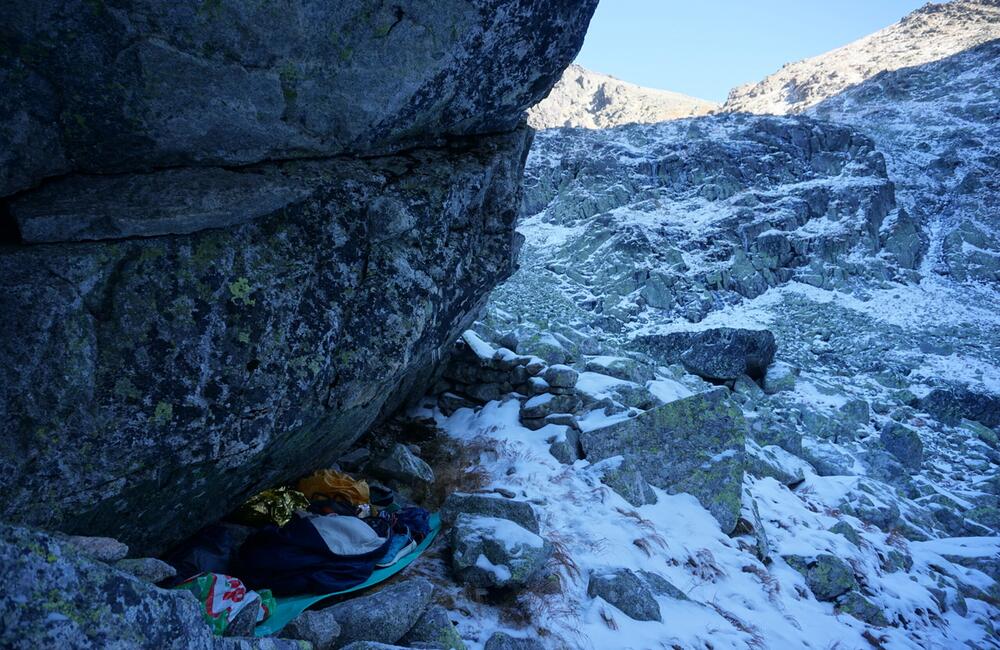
(583, 98)
(864, 236)
(934, 32)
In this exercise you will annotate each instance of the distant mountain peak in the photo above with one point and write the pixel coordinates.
(588, 99)
(930, 33)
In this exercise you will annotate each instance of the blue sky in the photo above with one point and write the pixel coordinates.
(705, 47)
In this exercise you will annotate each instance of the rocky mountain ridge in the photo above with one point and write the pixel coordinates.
(591, 100)
(931, 33)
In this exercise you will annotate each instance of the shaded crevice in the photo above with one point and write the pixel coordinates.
(399, 15)
(10, 233)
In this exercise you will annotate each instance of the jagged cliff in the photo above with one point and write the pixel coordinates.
(235, 234)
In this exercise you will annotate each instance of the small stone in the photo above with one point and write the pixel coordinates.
(504, 641)
(847, 530)
(317, 626)
(243, 624)
(862, 609)
(102, 549)
(434, 630)
(561, 376)
(623, 589)
(450, 402)
(402, 465)
(149, 569)
(355, 459)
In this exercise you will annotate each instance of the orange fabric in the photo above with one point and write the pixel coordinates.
(331, 484)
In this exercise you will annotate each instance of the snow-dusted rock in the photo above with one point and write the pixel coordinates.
(488, 552)
(560, 376)
(489, 505)
(904, 443)
(827, 575)
(693, 445)
(773, 461)
(626, 591)
(780, 376)
(933, 32)
(718, 354)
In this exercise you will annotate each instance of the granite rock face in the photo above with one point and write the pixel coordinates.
(271, 222)
(693, 445)
(55, 596)
(138, 84)
(188, 370)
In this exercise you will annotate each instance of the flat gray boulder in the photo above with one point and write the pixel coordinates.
(490, 505)
(720, 354)
(694, 445)
(53, 595)
(317, 626)
(385, 616)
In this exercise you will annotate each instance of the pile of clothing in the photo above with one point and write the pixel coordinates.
(328, 534)
(348, 530)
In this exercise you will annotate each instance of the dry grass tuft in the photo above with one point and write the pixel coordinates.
(608, 619)
(703, 565)
(756, 638)
(561, 558)
(877, 642)
(456, 467)
(770, 584)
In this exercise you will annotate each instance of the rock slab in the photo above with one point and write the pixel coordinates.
(694, 445)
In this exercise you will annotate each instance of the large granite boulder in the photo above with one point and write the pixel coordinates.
(694, 445)
(719, 354)
(148, 385)
(141, 84)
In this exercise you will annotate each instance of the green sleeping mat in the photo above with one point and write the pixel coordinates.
(289, 607)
